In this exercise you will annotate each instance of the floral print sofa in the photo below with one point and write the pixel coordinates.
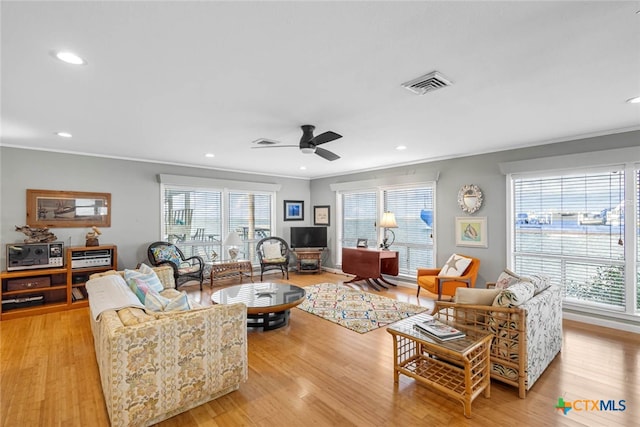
(156, 365)
(526, 322)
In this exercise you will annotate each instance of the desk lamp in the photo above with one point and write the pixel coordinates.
(388, 221)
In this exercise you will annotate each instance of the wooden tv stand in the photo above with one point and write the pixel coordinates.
(309, 261)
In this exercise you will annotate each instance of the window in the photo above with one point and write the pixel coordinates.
(413, 207)
(198, 220)
(250, 216)
(192, 219)
(571, 226)
(359, 213)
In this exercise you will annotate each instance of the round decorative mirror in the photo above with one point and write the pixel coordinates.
(470, 198)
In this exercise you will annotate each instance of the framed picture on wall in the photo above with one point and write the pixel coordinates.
(471, 231)
(293, 210)
(321, 215)
(56, 209)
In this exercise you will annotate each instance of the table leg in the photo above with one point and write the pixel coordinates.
(386, 281)
(380, 284)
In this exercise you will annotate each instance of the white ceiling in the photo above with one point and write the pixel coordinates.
(171, 81)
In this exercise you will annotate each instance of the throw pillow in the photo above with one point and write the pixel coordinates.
(167, 253)
(506, 279)
(455, 266)
(142, 280)
(514, 295)
(540, 282)
(157, 303)
(272, 250)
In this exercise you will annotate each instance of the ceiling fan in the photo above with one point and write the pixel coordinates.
(309, 143)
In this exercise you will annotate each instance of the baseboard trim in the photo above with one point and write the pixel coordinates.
(617, 324)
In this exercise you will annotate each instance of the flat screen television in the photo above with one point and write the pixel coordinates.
(308, 237)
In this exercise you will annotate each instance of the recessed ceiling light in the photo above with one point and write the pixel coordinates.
(303, 168)
(401, 147)
(64, 134)
(635, 100)
(69, 57)
(209, 155)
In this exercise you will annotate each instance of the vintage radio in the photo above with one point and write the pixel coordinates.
(28, 283)
(91, 258)
(26, 256)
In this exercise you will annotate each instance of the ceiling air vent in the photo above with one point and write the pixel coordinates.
(432, 81)
(265, 141)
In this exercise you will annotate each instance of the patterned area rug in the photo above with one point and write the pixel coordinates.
(356, 310)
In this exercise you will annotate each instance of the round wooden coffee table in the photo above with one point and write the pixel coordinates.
(268, 304)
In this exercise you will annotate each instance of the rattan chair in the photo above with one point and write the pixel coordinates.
(184, 269)
(270, 261)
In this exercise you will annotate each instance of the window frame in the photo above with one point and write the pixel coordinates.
(380, 190)
(225, 188)
(630, 310)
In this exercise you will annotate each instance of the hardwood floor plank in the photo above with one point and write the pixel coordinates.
(313, 372)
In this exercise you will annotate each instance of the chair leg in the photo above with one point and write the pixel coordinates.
(418, 293)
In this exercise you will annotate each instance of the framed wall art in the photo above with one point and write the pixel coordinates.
(293, 210)
(321, 215)
(471, 231)
(59, 209)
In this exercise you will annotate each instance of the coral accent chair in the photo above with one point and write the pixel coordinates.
(446, 285)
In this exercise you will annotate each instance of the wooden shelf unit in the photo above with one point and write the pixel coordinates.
(309, 261)
(58, 296)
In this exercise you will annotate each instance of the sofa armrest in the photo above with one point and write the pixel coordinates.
(153, 370)
(544, 330)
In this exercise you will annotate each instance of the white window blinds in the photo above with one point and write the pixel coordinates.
(359, 215)
(571, 227)
(192, 219)
(413, 209)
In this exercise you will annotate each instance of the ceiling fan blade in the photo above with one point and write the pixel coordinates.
(275, 146)
(323, 138)
(326, 154)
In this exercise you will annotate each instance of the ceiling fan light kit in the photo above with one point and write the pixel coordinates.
(308, 143)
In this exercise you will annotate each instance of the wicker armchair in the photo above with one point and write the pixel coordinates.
(273, 254)
(184, 269)
(526, 338)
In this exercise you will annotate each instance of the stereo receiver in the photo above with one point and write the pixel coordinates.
(27, 256)
(91, 258)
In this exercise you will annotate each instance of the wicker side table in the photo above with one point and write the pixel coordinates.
(457, 368)
(227, 269)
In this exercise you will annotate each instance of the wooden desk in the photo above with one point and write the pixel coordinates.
(369, 265)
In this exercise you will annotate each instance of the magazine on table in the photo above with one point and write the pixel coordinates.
(439, 330)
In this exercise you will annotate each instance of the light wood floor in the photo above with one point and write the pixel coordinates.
(314, 372)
